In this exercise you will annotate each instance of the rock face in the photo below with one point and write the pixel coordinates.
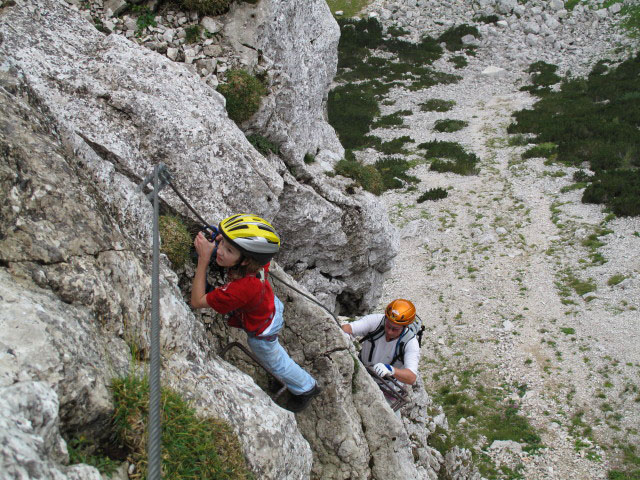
(75, 299)
(85, 118)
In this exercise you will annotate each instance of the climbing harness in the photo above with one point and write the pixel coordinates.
(415, 329)
(392, 389)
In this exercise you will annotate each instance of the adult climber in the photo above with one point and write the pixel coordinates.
(390, 344)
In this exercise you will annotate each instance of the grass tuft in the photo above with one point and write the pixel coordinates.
(437, 105)
(192, 447)
(176, 240)
(450, 157)
(243, 92)
(263, 144)
(449, 125)
(433, 194)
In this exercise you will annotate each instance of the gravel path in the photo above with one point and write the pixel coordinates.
(486, 267)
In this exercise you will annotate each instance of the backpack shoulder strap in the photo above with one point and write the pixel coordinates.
(372, 337)
(413, 330)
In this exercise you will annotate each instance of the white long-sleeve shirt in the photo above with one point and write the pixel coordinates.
(384, 351)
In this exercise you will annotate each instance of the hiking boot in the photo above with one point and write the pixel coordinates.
(297, 403)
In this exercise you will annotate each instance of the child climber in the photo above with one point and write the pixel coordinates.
(246, 245)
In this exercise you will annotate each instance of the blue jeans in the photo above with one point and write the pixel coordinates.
(277, 360)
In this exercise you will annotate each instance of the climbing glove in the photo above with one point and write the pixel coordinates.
(383, 369)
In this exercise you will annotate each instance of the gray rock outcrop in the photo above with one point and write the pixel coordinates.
(85, 118)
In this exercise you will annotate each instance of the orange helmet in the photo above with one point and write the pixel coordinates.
(401, 312)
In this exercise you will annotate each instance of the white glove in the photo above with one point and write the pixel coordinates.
(383, 370)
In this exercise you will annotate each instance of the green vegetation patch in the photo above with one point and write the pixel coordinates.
(243, 92)
(593, 120)
(546, 150)
(367, 75)
(437, 105)
(263, 144)
(450, 157)
(394, 172)
(146, 18)
(437, 193)
(82, 450)
(543, 76)
(193, 33)
(205, 7)
(616, 279)
(176, 240)
(449, 125)
(351, 110)
(192, 447)
(349, 7)
(459, 61)
(395, 146)
(367, 176)
(630, 15)
(391, 120)
(488, 415)
(386, 174)
(452, 37)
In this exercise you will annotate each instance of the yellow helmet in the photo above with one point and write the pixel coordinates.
(252, 235)
(401, 312)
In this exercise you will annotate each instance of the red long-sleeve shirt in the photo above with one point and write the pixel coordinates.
(248, 299)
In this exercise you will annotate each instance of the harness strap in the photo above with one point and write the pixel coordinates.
(372, 337)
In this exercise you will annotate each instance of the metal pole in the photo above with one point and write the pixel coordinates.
(155, 419)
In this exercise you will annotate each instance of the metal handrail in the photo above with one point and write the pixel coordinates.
(392, 388)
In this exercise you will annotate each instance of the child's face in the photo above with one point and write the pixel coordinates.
(228, 255)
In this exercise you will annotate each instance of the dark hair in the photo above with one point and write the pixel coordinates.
(246, 265)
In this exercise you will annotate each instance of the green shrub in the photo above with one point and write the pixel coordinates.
(460, 167)
(309, 158)
(580, 176)
(571, 4)
(263, 144)
(452, 37)
(630, 15)
(395, 31)
(393, 172)
(351, 110)
(437, 105)
(83, 451)
(243, 92)
(192, 447)
(433, 194)
(449, 125)
(487, 19)
(616, 279)
(394, 146)
(367, 176)
(518, 140)
(450, 157)
(618, 189)
(193, 33)
(427, 51)
(595, 120)
(544, 150)
(206, 7)
(391, 120)
(459, 61)
(146, 18)
(176, 240)
(543, 76)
